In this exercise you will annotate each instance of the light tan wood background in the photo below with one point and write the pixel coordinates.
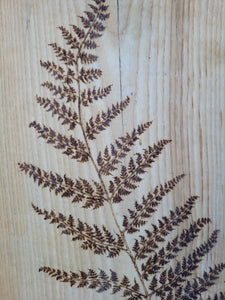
(170, 57)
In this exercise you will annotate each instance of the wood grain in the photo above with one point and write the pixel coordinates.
(170, 57)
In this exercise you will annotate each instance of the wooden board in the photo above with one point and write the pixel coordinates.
(169, 57)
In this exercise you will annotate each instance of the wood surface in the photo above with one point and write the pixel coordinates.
(169, 56)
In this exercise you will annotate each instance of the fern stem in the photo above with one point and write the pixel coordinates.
(127, 250)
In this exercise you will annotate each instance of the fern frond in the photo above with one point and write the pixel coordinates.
(78, 31)
(129, 177)
(79, 190)
(174, 278)
(72, 147)
(91, 237)
(90, 95)
(149, 243)
(145, 210)
(119, 150)
(71, 40)
(99, 11)
(97, 280)
(67, 92)
(86, 76)
(65, 114)
(87, 58)
(58, 72)
(102, 121)
(201, 284)
(64, 55)
(163, 256)
(89, 44)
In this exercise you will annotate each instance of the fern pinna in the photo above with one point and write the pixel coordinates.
(160, 273)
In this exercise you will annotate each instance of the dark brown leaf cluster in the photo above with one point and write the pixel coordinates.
(194, 288)
(70, 39)
(172, 279)
(91, 237)
(99, 281)
(58, 72)
(149, 243)
(164, 255)
(65, 114)
(67, 57)
(88, 75)
(103, 120)
(72, 147)
(90, 95)
(146, 209)
(130, 177)
(122, 146)
(66, 91)
(79, 190)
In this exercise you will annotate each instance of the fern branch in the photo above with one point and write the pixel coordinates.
(162, 257)
(119, 150)
(148, 206)
(91, 237)
(71, 40)
(99, 281)
(58, 72)
(67, 92)
(174, 278)
(86, 76)
(72, 147)
(102, 121)
(79, 190)
(126, 183)
(67, 57)
(201, 284)
(166, 225)
(65, 114)
(90, 95)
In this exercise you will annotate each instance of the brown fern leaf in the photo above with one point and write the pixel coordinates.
(119, 150)
(149, 243)
(163, 256)
(78, 31)
(67, 92)
(146, 209)
(90, 95)
(175, 278)
(72, 147)
(65, 114)
(93, 18)
(58, 72)
(91, 237)
(103, 120)
(89, 44)
(71, 40)
(129, 177)
(100, 11)
(79, 190)
(86, 76)
(64, 55)
(99, 281)
(201, 284)
(87, 58)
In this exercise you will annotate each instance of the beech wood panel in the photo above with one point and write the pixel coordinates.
(169, 57)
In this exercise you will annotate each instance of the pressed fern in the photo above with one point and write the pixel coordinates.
(153, 258)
